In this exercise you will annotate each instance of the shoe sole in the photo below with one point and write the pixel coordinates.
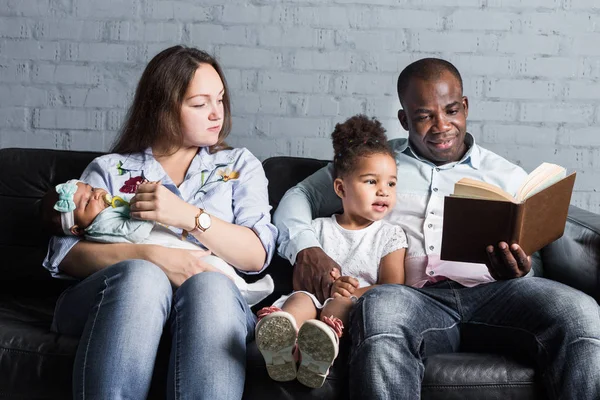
(318, 349)
(276, 338)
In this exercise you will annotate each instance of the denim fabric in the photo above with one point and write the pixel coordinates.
(394, 327)
(120, 312)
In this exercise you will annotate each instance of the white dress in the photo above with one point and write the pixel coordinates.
(358, 252)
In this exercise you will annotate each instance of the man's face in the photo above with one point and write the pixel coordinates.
(435, 116)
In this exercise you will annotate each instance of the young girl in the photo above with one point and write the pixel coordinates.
(78, 209)
(124, 300)
(369, 250)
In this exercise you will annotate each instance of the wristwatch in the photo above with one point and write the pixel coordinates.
(203, 220)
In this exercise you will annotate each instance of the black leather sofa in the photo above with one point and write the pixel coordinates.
(37, 364)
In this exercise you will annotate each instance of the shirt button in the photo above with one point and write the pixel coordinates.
(431, 212)
(431, 247)
(430, 225)
(435, 189)
(431, 273)
(437, 169)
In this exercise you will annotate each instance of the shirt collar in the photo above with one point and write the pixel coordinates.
(144, 162)
(472, 157)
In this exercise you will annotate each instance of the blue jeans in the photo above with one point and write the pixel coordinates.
(120, 312)
(394, 327)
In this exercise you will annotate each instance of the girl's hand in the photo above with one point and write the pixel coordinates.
(335, 274)
(344, 286)
(154, 202)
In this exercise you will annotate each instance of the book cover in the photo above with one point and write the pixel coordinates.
(470, 224)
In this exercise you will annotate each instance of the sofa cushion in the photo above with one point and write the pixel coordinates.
(35, 363)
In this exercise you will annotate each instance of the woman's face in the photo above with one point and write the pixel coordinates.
(202, 108)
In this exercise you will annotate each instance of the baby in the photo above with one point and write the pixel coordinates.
(76, 208)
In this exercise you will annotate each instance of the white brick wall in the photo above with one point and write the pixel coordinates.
(68, 70)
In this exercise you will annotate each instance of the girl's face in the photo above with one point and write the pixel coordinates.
(202, 108)
(89, 203)
(369, 192)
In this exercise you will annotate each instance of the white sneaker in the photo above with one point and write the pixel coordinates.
(276, 338)
(319, 346)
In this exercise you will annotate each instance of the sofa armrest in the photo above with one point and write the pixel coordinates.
(574, 259)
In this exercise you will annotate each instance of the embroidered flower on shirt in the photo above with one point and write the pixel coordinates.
(120, 169)
(228, 174)
(219, 174)
(130, 185)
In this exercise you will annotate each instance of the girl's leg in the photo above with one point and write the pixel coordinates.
(211, 324)
(318, 342)
(339, 307)
(119, 312)
(276, 335)
(301, 307)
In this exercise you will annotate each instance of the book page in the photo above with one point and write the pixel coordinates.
(467, 187)
(539, 179)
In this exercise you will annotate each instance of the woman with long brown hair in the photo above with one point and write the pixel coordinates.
(212, 195)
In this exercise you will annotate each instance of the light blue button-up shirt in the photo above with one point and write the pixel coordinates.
(419, 209)
(229, 184)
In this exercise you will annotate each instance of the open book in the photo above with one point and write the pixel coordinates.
(479, 214)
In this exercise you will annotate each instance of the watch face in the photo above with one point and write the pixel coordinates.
(204, 221)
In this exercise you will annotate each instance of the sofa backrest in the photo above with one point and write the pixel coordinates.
(284, 172)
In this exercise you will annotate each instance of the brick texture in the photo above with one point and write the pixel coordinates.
(68, 70)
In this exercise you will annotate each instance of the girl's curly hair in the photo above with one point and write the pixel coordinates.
(358, 136)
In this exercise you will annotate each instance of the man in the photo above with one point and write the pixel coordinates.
(394, 327)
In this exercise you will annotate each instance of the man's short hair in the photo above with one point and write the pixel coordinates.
(427, 69)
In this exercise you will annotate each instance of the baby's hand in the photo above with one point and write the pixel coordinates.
(344, 286)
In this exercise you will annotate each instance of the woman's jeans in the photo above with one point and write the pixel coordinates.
(120, 313)
(393, 327)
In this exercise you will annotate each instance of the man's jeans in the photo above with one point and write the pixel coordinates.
(393, 327)
(120, 312)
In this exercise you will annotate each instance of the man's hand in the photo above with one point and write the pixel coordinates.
(344, 286)
(507, 262)
(314, 272)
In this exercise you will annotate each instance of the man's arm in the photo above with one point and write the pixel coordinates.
(313, 197)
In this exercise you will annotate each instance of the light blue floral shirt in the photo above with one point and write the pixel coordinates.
(229, 184)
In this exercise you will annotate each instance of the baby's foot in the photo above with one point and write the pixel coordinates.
(275, 336)
(318, 343)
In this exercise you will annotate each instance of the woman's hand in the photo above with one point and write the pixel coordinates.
(180, 264)
(154, 202)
